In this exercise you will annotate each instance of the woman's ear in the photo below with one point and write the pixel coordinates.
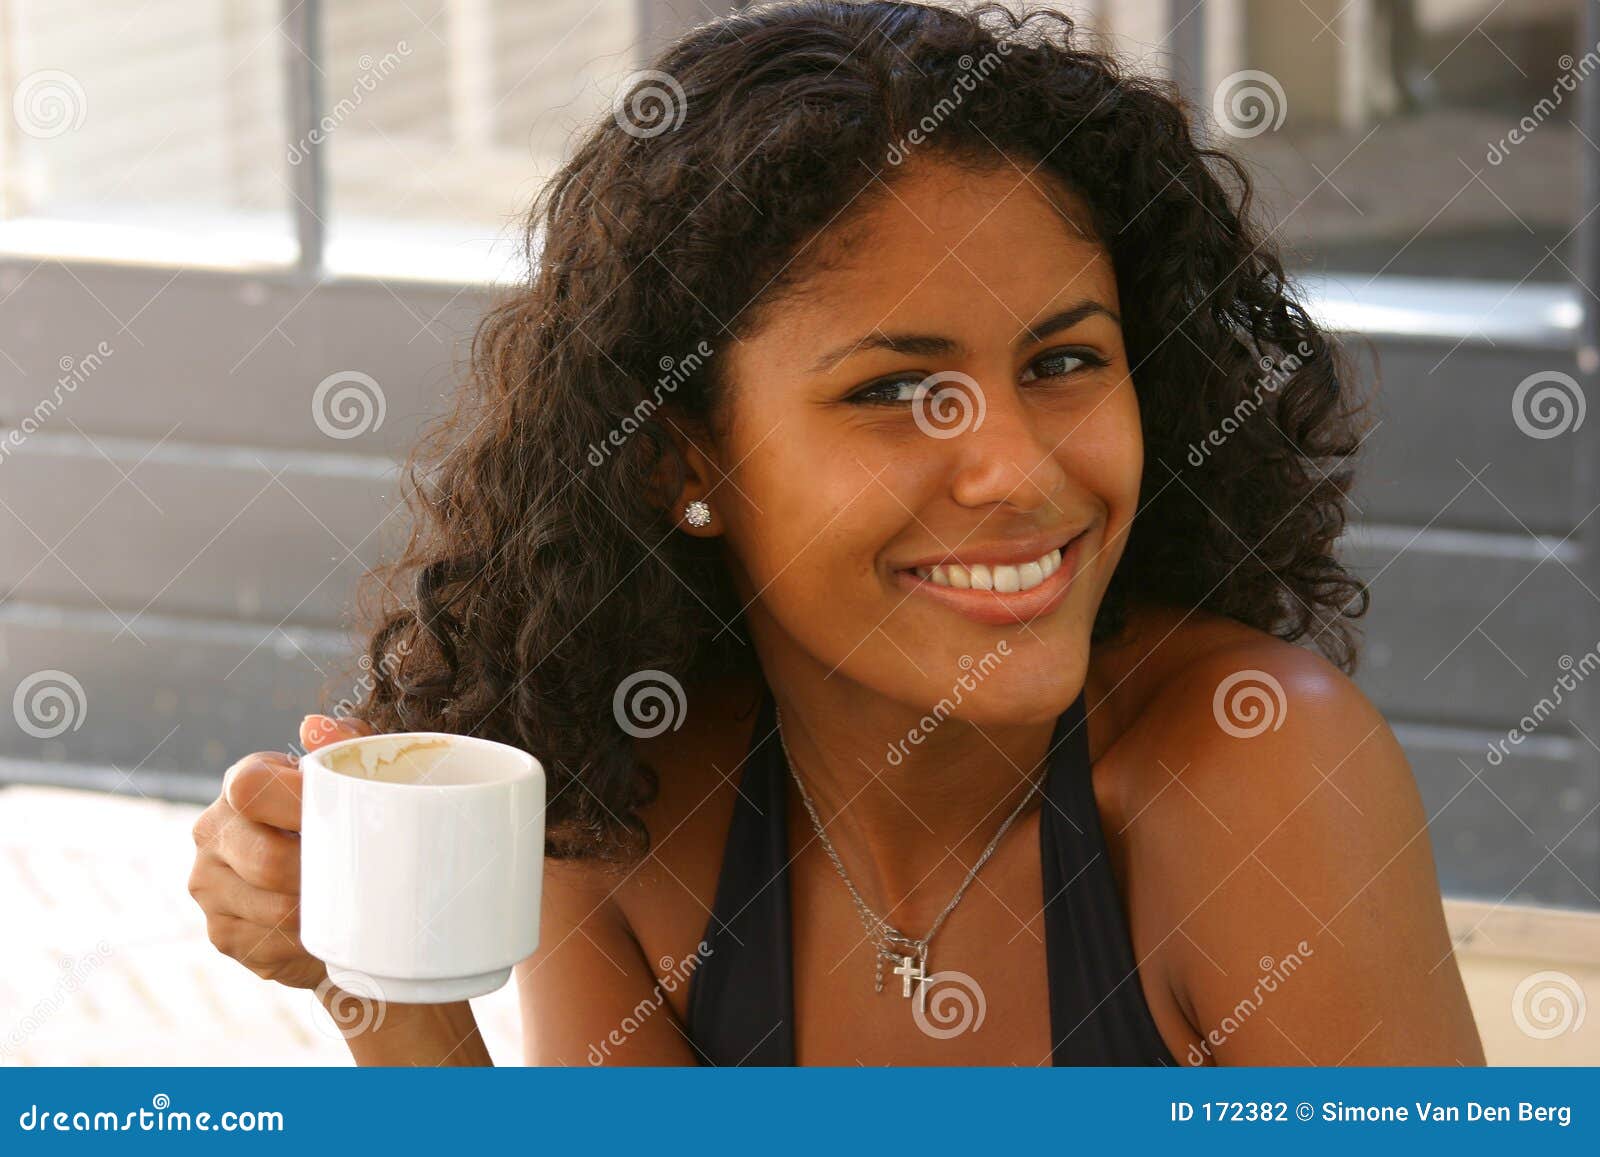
(691, 506)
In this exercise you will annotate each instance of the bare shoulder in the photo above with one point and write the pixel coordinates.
(1276, 823)
(605, 985)
(697, 766)
(1231, 690)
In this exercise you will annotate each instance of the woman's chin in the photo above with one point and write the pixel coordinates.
(999, 698)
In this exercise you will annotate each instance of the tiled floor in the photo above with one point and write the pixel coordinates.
(106, 960)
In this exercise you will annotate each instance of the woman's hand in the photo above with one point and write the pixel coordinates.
(246, 878)
(246, 875)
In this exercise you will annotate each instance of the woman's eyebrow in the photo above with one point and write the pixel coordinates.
(933, 345)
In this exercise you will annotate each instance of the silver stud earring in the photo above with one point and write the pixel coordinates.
(697, 513)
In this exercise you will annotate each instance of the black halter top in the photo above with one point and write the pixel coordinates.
(741, 995)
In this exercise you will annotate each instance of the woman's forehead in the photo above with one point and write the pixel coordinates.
(942, 233)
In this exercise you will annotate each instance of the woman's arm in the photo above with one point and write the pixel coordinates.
(407, 1034)
(589, 996)
(1307, 922)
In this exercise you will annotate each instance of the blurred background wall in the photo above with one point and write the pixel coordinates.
(242, 243)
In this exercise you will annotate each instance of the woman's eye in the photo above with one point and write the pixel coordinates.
(902, 390)
(1060, 363)
(1057, 364)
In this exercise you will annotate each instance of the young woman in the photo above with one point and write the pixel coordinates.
(900, 511)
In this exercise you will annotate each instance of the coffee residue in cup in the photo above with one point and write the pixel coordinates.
(387, 758)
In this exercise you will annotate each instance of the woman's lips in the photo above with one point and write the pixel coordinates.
(996, 609)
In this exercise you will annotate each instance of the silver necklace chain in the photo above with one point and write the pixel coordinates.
(885, 936)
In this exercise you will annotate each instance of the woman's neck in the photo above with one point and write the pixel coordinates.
(909, 800)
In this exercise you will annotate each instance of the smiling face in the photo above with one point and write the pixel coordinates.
(932, 454)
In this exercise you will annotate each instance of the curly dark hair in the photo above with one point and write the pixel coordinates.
(543, 568)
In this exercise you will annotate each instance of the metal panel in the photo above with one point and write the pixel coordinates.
(213, 358)
(188, 696)
(176, 528)
(1459, 634)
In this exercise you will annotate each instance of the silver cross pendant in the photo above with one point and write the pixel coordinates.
(908, 970)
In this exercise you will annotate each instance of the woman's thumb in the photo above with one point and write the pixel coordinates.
(320, 730)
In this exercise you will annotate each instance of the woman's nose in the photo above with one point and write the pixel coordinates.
(1002, 455)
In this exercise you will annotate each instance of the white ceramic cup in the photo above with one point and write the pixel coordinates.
(421, 863)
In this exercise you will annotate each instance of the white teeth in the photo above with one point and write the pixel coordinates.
(1005, 579)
